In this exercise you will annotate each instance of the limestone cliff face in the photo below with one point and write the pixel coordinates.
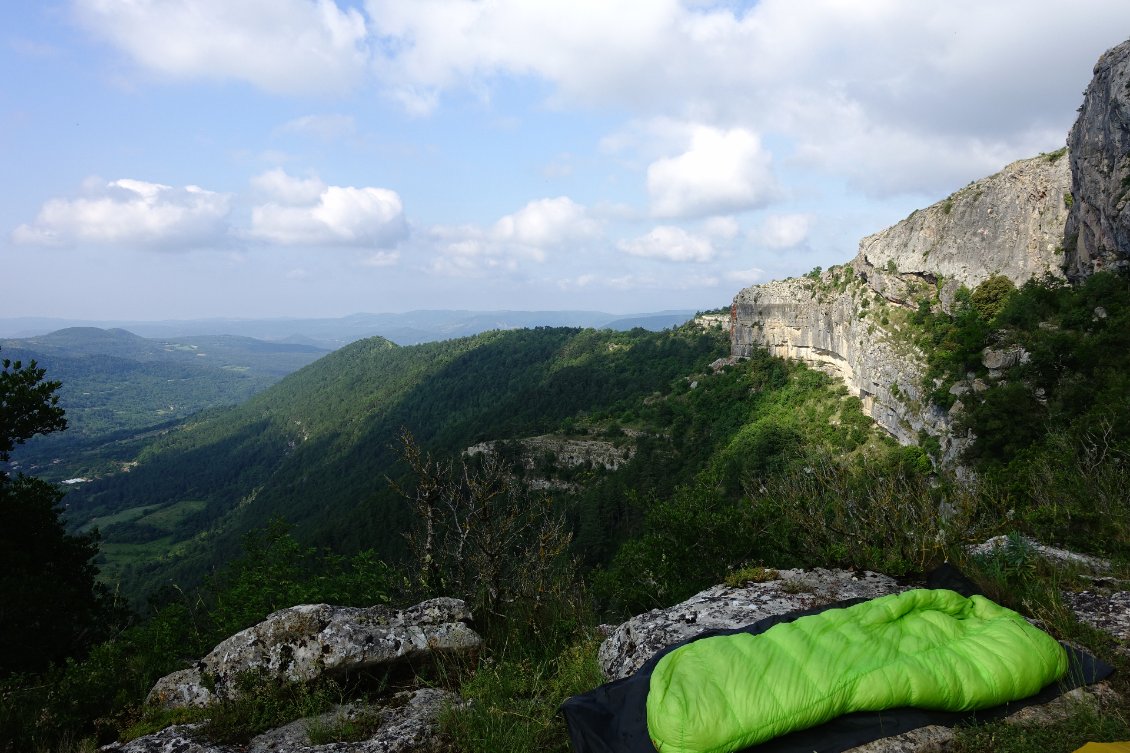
(851, 321)
(1010, 223)
(1098, 231)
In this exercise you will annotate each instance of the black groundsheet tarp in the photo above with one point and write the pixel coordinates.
(613, 717)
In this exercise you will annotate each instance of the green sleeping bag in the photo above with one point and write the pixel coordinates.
(931, 649)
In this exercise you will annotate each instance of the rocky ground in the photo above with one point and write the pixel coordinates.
(304, 642)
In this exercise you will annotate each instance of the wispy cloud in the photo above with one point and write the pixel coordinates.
(325, 127)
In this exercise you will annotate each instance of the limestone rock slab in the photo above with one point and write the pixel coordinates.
(304, 642)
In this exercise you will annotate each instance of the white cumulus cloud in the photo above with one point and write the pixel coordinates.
(307, 212)
(892, 95)
(671, 244)
(725, 228)
(546, 222)
(131, 212)
(782, 230)
(746, 276)
(466, 251)
(540, 227)
(721, 171)
(286, 46)
(282, 188)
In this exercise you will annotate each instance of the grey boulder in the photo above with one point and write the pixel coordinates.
(305, 642)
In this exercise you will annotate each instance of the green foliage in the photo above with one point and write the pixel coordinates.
(1083, 724)
(262, 703)
(115, 385)
(483, 537)
(1054, 156)
(885, 515)
(1072, 490)
(751, 574)
(343, 727)
(28, 405)
(51, 608)
(1050, 431)
(513, 701)
(688, 541)
(759, 420)
(317, 448)
(101, 694)
(1008, 418)
(952, 343)
(276, 572)
(990, 296)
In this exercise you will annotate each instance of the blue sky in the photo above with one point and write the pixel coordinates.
(260, 158)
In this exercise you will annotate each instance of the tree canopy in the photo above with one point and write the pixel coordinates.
(28, 405)
(51, 599)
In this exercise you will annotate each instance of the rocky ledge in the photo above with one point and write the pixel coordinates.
(844, 321)
(305, 642)
(309, 641)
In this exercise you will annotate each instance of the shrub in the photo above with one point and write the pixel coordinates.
(885, 515)
(990, 296)
(482, 536)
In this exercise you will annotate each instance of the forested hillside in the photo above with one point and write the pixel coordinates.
(700, 468)
(117, 385)
(318, 448)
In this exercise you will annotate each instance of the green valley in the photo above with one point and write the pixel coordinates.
(119, 389)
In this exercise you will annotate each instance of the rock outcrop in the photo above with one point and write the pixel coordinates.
(850, 321)
(1097, 235)
(542, 457)
(1059, 213)
(723, 607)
(310, 641)
(407, 724)
(1008, 224)
(305, 642)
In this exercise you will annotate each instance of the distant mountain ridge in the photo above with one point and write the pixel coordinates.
(116, 384)
(408, 328)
